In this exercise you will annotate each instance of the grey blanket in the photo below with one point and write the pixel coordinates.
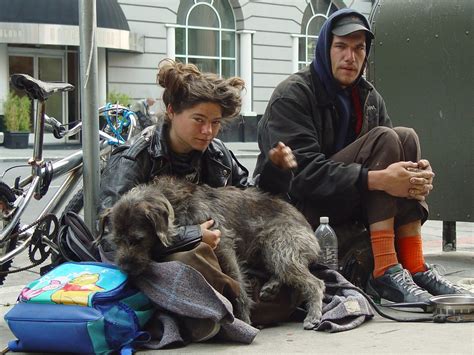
(180, 292)
(343, 308)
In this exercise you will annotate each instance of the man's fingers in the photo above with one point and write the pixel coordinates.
(423, 164)
(416, 197)
(408, 165)
(420, 190)
(420, 181)
(282, 156)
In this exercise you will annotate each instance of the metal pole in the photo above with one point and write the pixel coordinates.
(449, 236)
(89, 112)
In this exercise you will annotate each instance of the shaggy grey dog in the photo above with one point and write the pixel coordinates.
(258, 232)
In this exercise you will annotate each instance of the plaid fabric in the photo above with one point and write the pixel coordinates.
(177, 290)
(343, 309)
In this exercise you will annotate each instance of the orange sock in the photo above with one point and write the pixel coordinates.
(410, 253)
(383, 248)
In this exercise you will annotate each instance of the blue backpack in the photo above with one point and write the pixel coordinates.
(80, 307)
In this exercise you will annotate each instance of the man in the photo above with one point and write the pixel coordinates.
(142, 110)
(352, 165)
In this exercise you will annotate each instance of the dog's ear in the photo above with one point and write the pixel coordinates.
(170, 214)
(105, 214)
(161, 216)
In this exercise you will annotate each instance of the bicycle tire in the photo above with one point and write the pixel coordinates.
(7, 194)
(76, 203)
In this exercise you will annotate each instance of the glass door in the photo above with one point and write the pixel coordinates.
(51, 69)
(46, 65)
(19, 64)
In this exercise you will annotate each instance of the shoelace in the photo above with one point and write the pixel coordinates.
(434, 274)
(404, 279)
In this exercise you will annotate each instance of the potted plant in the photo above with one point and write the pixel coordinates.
(16, 121)
(116, 97)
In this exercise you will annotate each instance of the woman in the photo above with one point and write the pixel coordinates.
(185, 145)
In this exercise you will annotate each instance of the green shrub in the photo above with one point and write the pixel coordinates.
(116, 97)
(17, 113)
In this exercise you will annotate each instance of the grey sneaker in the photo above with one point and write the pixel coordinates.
(432, 281)
(397, 285)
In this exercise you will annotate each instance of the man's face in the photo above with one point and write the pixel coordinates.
(347, 57)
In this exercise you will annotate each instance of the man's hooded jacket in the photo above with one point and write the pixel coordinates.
(304, 112)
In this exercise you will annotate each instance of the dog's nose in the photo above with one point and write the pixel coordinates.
(128, 266)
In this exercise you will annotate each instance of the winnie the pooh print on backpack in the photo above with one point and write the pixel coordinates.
(92, 305)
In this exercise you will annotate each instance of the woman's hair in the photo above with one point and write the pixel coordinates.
(185, 87)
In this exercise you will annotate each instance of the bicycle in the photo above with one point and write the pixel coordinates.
(38, 237)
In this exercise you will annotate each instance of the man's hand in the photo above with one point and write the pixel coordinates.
(403, 179)
(422, 185)
(211, 237)
(282, 157)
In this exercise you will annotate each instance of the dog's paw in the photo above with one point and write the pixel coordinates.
(242, 307)
(243, 315)
(312, 320)
(309, 325)
(270, 290)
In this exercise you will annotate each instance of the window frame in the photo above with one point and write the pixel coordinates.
(299, 62)
(220, 30)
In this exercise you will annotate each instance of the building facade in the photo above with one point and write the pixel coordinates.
(261, 41)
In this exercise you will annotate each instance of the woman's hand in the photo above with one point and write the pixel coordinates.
(282, 157)
(210, 237)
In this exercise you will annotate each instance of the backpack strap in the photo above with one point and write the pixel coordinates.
(75, 240)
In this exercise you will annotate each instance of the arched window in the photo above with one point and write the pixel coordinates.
(205, 36)
(314, 16)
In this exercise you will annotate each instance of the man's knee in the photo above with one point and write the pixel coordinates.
(387, 137)
(410, 142)
(406, 133)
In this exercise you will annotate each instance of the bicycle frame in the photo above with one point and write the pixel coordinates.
(44, 172)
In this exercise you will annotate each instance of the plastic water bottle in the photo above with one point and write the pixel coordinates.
(328, 242)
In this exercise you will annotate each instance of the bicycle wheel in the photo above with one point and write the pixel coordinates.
(76, 203)
(7, 197)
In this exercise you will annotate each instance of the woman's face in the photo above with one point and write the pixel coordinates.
(195, 127)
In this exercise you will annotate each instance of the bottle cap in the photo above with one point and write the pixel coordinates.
(324, 220)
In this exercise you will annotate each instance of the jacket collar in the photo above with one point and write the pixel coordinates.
(158, 147)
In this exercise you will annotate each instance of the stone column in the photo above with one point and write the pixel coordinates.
(294, 52)
(102, 75)
(246, 71)
(170, 41)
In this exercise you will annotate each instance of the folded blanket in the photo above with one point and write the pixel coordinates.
(179, 292)
(343, 308)
(190, 309)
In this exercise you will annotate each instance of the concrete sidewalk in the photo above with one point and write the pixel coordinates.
(376, 336)
(53, 149)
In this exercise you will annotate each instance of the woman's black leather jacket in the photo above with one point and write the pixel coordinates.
(148, 156)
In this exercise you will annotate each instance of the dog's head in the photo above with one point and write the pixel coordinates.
(140, 221)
